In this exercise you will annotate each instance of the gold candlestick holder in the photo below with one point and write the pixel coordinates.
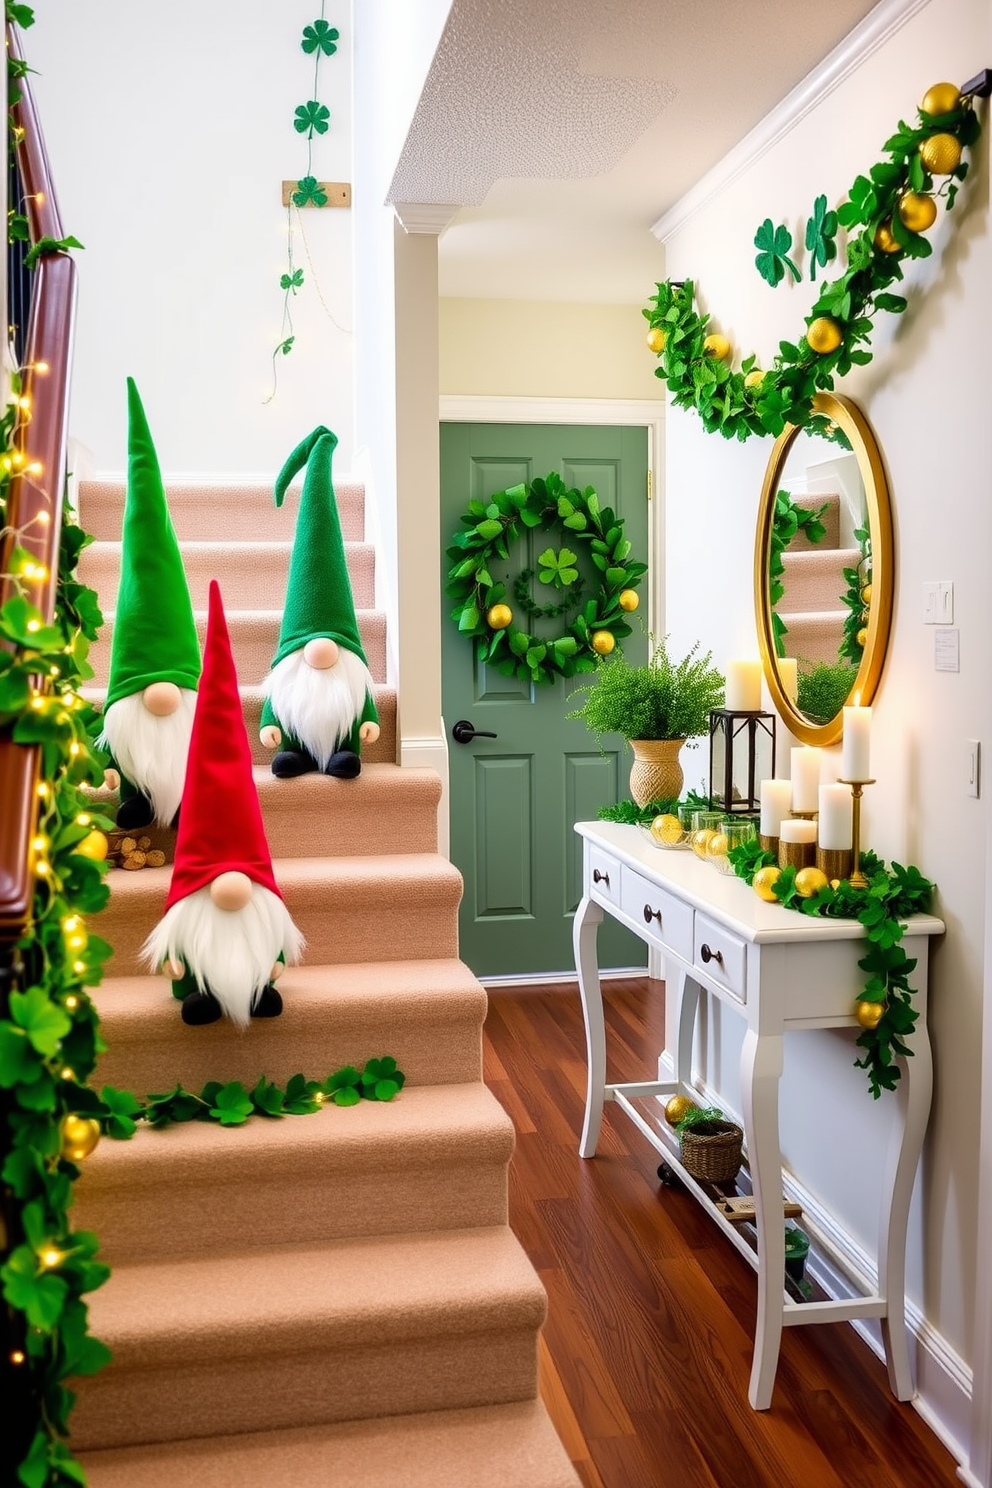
(857, 879)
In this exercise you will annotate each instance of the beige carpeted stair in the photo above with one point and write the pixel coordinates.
(811, 607)
(317, 1299)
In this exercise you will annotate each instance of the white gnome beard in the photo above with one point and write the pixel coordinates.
(151, 750)
(230, 952)
(319, 706)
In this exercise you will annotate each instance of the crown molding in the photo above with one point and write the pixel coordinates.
(865, 39)
(424, 217)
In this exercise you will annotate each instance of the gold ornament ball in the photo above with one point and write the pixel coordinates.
(870, 1014)
(603, 642)
(699, 841)
(499, 616)
(942, 98)
(667, 830)
(917, 211)
(941, 154)
(716, 347)
(866, 594)
(628, 600)
(94, 845)
(824, 335)
(763, 882)
(862, 637)
(810, 881)
(656, 339)
(677, 1107)
(884, 240)
(754, 379)
(79, 1135)
(717, 845)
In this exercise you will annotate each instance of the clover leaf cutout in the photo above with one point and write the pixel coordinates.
(320, 35)
(311, 118)
(772, 261)
(821, 230)
(309, 189)
(557, 568)
(293, 281)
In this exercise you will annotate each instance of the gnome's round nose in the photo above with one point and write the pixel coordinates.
(161, 698)
(321, 653)
(231, 891)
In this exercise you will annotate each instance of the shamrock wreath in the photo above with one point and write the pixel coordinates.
(481, 610)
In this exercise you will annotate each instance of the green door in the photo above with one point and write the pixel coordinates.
(515, 797)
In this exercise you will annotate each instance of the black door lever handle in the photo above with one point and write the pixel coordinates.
(464, 732)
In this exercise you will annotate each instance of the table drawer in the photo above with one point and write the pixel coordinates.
(720, 956)
(667, 921)
(604, 876)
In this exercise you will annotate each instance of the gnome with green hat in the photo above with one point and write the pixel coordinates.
(154, 656)
(319, 708)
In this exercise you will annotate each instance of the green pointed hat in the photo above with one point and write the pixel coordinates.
(154, 631)
(318, 591)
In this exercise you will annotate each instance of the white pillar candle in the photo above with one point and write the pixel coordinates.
(834, 828)
(856, 748)
(788, 675)
(776, 803)
(805, 779)
(743, 687)
(793, 830)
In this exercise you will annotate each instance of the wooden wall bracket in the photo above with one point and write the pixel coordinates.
(338, 193)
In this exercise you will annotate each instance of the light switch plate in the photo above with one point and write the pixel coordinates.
(973, 766)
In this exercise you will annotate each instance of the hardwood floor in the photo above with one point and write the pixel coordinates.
(647, 1349)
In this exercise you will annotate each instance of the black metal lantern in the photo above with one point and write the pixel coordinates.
(742, 755)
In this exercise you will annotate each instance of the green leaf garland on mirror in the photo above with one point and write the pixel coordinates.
(884, 216)
(481, 612)
(892, 895)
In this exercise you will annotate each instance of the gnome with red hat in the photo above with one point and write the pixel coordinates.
(226, 933)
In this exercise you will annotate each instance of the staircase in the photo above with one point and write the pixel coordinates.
(328, 1298)
(811, 605)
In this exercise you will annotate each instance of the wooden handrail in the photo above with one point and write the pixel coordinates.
(34, 507)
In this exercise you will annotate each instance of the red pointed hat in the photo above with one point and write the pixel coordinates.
(220, 822)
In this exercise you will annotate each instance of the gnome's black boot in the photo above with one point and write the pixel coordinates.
(268, 1003)
(137, 811)
(200, 1008)
(345, 765)
(290, 762)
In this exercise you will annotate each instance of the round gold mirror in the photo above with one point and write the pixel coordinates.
(823, 569)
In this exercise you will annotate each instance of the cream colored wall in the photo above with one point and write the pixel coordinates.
(927, 396)
(537, 349)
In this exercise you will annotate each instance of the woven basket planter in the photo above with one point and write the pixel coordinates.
(713, 1156)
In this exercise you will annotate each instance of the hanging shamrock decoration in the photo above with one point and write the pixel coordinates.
(821, 229)
(309, 190)
(773, 260)
(311, 117)
(321, 36)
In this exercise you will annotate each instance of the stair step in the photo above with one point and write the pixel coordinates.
(814, 580)
(815, 637)
(830, 519)
(349, 909)
(210, 511)
(254, 638)
(427, 1014)
(248, 573)
(433, 1158)
(383, 751)
(499, 1446)
(256, 1340)
(322, 817)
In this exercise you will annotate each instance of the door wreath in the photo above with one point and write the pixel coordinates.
(574, 518)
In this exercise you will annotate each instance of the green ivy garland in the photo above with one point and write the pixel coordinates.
(741, 404)
(491, 529)
(787, 520)
(857, 580)
(892, 895)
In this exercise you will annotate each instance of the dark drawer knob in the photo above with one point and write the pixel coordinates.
(598, 877)
(705, 954)
(652, 914)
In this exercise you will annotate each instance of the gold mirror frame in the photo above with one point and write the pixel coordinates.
(852, 421)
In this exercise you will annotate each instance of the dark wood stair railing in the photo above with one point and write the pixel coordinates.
(34, 508)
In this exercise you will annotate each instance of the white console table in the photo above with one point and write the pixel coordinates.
(780, 971)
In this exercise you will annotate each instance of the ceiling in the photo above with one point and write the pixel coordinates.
(563, 129)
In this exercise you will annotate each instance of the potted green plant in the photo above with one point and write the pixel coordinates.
(656, 707)
(796, 1251)
(711, 1147)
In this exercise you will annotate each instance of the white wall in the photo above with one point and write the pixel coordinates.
(927, 397)
(170, 130)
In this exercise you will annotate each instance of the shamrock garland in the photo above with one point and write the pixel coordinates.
(480, 612)
(892, 895)
(884, 216)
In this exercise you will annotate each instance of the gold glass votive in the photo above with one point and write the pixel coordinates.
(835, 862)
(796, 854)
(768, 844)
